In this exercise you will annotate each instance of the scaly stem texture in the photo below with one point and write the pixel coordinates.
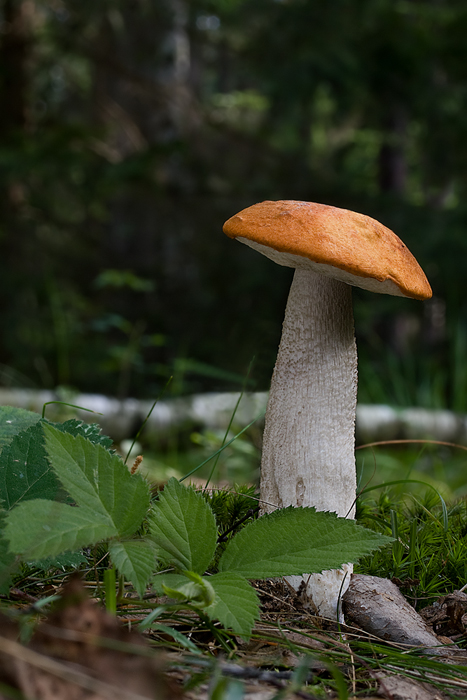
(308, 447)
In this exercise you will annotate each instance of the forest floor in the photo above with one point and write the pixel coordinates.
(81, 651)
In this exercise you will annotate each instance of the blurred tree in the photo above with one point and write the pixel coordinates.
(14, 55)
(131, 129)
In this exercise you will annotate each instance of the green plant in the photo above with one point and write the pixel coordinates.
(286, 542)
(239, 461)
(428, 553)
(78, 492)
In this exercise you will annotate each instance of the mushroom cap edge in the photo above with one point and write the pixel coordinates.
(337, 242)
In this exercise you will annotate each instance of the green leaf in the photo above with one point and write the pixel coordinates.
(184, 528)
(25, 472)
(98, 480)
(161, 582)
(62, 561)
(110, 501)
(90, 431)
(236, 605)
(135, 560)
(42, 528)
(294, 541)
(13, 421)
(197, 591)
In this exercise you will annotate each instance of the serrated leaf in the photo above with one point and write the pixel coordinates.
(62, 561)
(98, 480)
(90, 431)
(236, 605)
(25, 472)
(184, 528)
(41, 528)
(13, 421)
(135, 560)
(295, 541)
(110, 500)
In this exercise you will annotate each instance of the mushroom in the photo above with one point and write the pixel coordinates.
(309, 436)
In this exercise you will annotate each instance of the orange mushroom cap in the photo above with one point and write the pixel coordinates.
(351, 247)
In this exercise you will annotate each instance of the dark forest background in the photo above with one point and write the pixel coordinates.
(130, 130)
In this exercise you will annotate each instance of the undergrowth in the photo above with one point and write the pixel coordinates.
(424, 552)
(428, 556)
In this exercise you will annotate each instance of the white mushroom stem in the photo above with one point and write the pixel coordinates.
(309, 444)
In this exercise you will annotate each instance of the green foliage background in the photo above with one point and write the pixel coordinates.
(129, 131)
